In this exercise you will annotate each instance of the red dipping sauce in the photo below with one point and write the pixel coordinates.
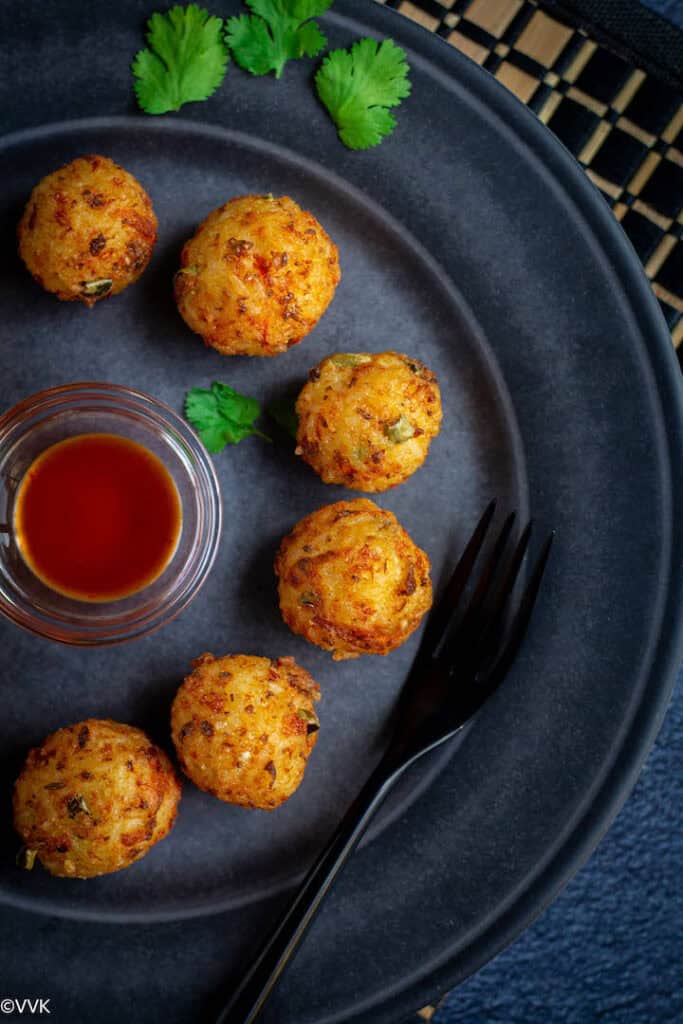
(97, 517)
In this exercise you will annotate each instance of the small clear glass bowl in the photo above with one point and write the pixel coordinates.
(53, 415)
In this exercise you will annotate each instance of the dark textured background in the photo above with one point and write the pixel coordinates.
(671, 9)
(610, 949)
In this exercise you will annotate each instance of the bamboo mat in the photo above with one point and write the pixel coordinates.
(625, 127)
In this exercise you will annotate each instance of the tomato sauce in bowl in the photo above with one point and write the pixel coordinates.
(97, 517)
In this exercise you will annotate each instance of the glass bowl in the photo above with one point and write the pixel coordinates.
(53, 415)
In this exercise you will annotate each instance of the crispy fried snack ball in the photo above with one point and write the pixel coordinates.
(244, 727)
(366, 421)
(351, 580)
(256, 276)
(88, 230)
(93, 798)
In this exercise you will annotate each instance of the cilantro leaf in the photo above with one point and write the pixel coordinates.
(185, 61)
(276, 31)
(358, 87)
(221, 416)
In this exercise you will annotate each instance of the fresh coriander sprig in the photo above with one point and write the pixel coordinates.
(222, 416)
(276, 31)
(185, 60)
(358, 87)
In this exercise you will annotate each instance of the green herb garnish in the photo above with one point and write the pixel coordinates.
(277, 31)
(349, 358)
(400, 431)
(26, 858)
(311, 720)
(358, 87)
(307, 716)
(77, 805)
(222, 416)
(97, 289)
(283, 412)
(185, 60)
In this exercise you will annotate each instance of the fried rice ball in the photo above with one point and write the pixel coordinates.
(244, 727)
(94, 798)
(88, 230)
(256, 276)
(366, 420)
(351, 580)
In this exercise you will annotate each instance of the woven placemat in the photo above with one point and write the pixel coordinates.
(624, 126)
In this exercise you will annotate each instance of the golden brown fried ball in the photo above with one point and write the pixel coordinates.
(351, 580)
(93, 798)
(256, 276)
(366, 421)
(88, 230)
(244, 727)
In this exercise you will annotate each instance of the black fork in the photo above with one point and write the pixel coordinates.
(470, 642)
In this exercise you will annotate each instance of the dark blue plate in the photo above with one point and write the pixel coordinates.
(471, 239)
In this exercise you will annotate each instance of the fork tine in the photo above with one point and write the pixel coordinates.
(442, 613)
(496, 616)
(475, 696)
(488, 574)
(463, 632)
(521, 619)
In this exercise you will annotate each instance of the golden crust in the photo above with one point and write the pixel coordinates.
(351, 580)
(244, 727)
(366, 420)
(256, 276)
(94, 798)
(86, 224)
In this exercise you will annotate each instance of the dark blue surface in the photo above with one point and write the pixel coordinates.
(610, 949)
(672, 10)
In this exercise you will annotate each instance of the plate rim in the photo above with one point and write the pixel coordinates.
(554, 160)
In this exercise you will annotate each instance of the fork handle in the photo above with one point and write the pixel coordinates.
(257, 985)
